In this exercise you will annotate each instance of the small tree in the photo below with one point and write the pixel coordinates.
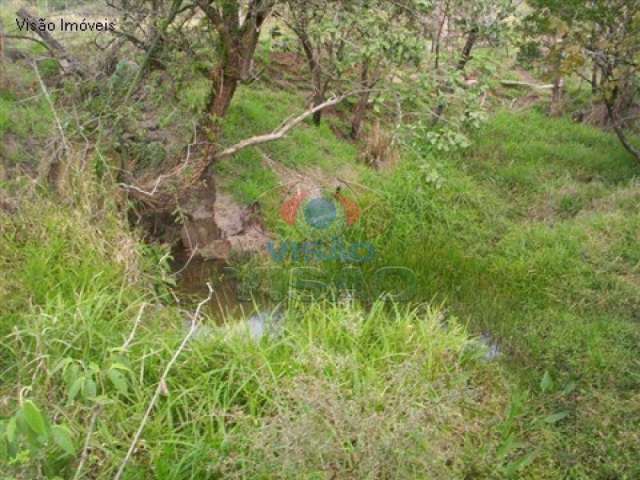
(323, 29)
(482, 20)
(600, 43)
(386, 39)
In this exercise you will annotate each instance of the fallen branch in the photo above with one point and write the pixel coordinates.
(53, 170)
(68, 63)
(161, 388)
(281, 131)
(517, 84)
(25, 37)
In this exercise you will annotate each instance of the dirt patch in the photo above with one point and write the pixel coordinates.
(241, 230)
(312, 180)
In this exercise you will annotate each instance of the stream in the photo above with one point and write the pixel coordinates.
(255, 318)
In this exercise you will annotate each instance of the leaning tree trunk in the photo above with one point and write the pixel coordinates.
(612, 103)
(68, 63)
(193, 193)
(319, 87)
(472, 38)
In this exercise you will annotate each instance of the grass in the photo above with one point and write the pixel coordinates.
(261, 110)
(25, 116)
(531, 235)
(536, 241)
(341, 391)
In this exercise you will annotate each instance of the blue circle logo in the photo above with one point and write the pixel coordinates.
(320, 213)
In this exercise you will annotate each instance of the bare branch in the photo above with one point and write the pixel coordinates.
(68, 63)
(25, 37)
(195, 320)
(281, 131)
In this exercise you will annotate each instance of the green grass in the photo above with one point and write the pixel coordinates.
(344, 391)
(536, 240)
(261, 110)
(25, 117)
(530, 235)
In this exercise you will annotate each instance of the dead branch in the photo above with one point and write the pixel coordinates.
(67, 62)
(161, 388)
(516, 84)
(281, 131)
(25, 37)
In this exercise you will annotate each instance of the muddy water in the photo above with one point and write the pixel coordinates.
(225, 306)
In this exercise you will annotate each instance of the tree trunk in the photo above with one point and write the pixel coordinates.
(618, 127)
(361, 107)
(1, 41)
(224, 85)
(316, 74)
(192, 192)
(67, 62)
(318, 91)
(318, 99)
(472, 38)
(555, 109)
(435, 46)
(359, 114)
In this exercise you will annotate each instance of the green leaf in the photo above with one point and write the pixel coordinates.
(571, 386)
(75, 387)
(556, 417)
(119, 381)
(62, 438)
(546, 384)
(34, 418)
(62, 365)
(522, 463)
(120, 366)
(11, 430)
(90, 389)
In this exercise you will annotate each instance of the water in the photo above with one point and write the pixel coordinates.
(493, 350)
(225, 314)
(225, 304)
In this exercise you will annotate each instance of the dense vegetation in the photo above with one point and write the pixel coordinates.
(138, 193)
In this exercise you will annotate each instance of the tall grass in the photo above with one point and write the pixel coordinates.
(340, 391)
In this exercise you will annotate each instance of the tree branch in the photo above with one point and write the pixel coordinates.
(282, 130)
(195, 323)
(619, 131)
(68, 63)
(25, 37)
